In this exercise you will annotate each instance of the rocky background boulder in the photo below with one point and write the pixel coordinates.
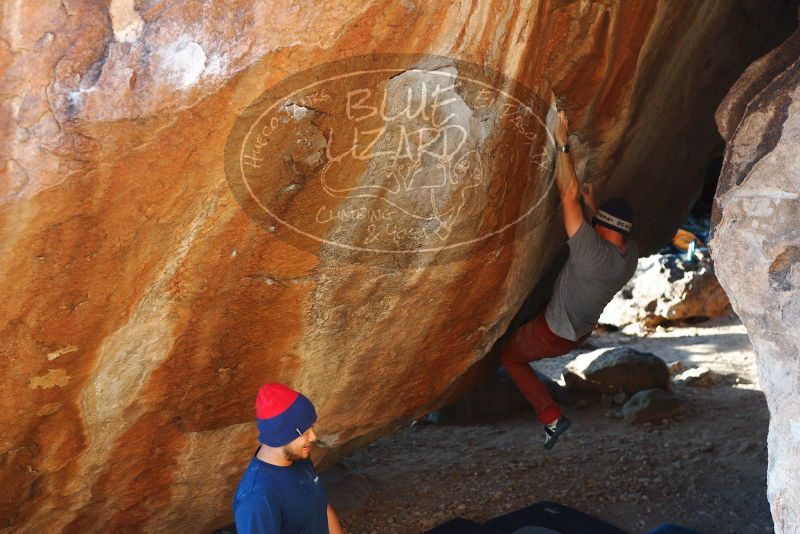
(668, 288)
(609, 371)
(756, 248)
(651, 405)
(142, 306)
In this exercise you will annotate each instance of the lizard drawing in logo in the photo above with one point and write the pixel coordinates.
(430, 174)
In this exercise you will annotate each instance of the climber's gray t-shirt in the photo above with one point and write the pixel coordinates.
(593, 274)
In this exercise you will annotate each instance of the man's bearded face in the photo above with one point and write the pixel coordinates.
(300, 447)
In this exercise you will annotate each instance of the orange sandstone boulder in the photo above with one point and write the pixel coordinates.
(152, 279)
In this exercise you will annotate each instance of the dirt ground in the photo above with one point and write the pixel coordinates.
(705, 471)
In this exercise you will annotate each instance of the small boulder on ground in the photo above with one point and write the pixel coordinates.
(651, 405)
(613, 370)
(699, 377)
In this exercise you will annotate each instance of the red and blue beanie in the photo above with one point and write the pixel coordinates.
(282, 414)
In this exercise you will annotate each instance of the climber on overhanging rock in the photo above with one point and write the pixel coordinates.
(280, 491)
(601, 261)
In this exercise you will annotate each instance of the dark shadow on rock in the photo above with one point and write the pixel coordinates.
(497, 396)
(485, 390)
(482, 370)
(536, 299)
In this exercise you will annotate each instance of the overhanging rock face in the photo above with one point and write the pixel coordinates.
(146, 297)
(756, 248)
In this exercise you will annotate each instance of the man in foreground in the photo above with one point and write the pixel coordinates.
(601, 260)
(280, 492)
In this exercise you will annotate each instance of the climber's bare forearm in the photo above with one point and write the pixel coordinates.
(569, 191)
(567, 182)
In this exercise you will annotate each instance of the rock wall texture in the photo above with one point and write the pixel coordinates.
(143, 306)
(756, 247)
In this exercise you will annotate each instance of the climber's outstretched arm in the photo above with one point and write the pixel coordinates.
(566, 180)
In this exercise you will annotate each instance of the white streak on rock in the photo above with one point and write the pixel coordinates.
(795, 427)
(53, 378)
(66, 350)
(125, 21)
(184, 61)
(767, 192)
(295, 111)
(10, 26)
(217, 66)
(128, 356)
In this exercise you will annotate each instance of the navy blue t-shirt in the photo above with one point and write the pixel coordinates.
(272, 499)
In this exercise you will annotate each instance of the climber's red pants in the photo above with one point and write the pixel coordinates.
(534, 341)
